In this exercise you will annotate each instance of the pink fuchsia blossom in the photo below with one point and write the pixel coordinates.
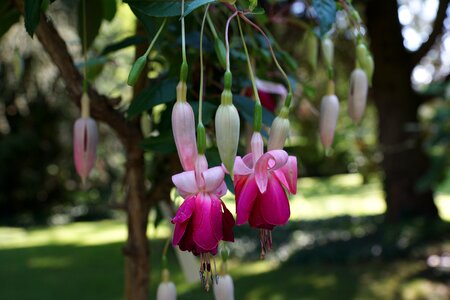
(203, 220)
(267, 91)
(260, 180)
(85, 139)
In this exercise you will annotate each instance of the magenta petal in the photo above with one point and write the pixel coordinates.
(203, 231)
(270, 161)
(181, 218)
(85, 138)
(227, 224)
(288, 175)
(274, 204)
(185, 183)
(213, 178)
(246, 192)
(216, 217)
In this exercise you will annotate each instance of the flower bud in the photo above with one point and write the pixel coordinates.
(85, 138)
(227, 130)
(328, 51)
(219, 47)
(224, 289)
(329, 112)
(311, 45)
(279, 131)
(183, 127)
(361, 54)
(136, 70)
(166, 289)
(357, 97)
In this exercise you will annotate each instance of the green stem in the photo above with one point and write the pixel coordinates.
(184, 64)
(257, 119)
(200, 94)
(211, 26)
(287, 102)
(85, 82)
(249, 65)
(155, 38)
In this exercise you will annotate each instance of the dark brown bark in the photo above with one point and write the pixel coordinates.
(137, 203)
(404, 161)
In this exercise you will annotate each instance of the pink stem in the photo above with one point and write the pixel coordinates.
(227, 44)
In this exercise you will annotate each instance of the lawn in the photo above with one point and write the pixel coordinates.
(335, 248)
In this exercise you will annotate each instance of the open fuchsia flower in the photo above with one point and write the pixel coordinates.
(203, 220)
(85, 138)
(259, 182)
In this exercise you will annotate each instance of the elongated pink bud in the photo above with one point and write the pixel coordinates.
(85, 138)
(329, 112)
(357, 97)
(183, 127)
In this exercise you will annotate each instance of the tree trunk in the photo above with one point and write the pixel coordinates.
(404, 161)
(136, 250)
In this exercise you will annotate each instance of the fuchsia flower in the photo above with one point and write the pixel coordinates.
(259, 179)
(85, 138)
(203, 220)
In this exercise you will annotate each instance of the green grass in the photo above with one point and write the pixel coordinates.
(320, 255)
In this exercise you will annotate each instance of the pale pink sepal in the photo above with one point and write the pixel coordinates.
(270, 161)
(183, 127)
(288, 175)
(85, 139)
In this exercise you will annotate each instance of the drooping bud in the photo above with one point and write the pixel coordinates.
(279, 131)
(329, 112)
(224, 289)
(227, 127)
(357, 97)
(136, 70)
(183, 127)
(328, 51)
(219, 47)
(361, 54)
(311, 47)
(166, 289)
(85, 138)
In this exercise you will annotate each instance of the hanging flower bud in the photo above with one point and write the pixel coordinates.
(311, 45)
(166, 289)
(85, 138)
(361, 54)
(279, 131)
(227, 127)
(357, 97)
(224, 289)
(136, 70)
(328, 51)
(219, 47)
(183, 127)
(329, 112)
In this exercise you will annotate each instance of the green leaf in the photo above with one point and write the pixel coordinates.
(32, 15)
(326, 14)
(165, 8)
(163, 143)
(155, 94)
(109, 9)
(94, 16)
(246, 108)
(9, 18)
(126, 42)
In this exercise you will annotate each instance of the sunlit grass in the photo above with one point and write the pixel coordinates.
(84, 260)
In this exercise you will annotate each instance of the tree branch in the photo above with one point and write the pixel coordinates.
(101, 106)
(437, 30)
